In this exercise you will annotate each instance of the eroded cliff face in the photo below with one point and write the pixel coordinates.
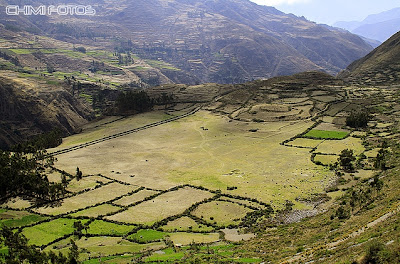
(28, 109)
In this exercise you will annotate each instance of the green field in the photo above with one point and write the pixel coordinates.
(47, 232)
(324, 134)
(99, 227)
(148, 235)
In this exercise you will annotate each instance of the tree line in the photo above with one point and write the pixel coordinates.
(23, 174)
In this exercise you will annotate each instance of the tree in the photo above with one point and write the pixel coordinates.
(380, 160)
(346, 159)
(78, 228)
(79, 174)
(73, 255)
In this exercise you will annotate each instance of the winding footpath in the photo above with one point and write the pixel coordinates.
(117, 135)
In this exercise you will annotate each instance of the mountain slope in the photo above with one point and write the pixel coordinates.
(381, 66)
(221, 41)
(380, 31)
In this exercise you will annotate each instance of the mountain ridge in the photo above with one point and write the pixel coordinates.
(379, 26)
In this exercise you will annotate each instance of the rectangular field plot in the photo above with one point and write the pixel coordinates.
(185, 224)
(100, 246)
(136, 197)
(325, 134)
(86, 183)
(13, 218)
(326, 159)
(242, 201)
(47, 232)
(188, 238)
(305, 142)
(147, 235)
(100, 227)
(336, 146)
(336, 108)
(96, 211)
(165, 205)
(223, 213)
(103, 194)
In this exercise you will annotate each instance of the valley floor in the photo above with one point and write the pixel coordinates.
(188, 186)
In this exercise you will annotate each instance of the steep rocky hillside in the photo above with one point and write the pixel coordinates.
(28, 109)
(221, 41)
(381, 66)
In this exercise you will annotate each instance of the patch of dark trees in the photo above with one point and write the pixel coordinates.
(51, 139)
(358, 119)
(23, 174)
(140, 101)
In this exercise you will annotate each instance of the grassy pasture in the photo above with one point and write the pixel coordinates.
(136, 197)
(99, 195)
(99, 227)
(100, 130)
(305, 142)
(336, 146)
(86, 183)
(165, 255)
(326, 159)
(220, 212)
(103, 246)
(148, 235)
(185, 224)
(165, 205)
(18, 203)
(12, 218)
(47, 232)
(97, 211)
(188, 238)
(245, 202)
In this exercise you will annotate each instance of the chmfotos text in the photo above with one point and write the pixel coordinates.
(63, 10)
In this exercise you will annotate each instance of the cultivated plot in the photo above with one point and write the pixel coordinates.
(165, 205)
(86, 199)
(221, 213)
(96, 211)
(134, 198)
